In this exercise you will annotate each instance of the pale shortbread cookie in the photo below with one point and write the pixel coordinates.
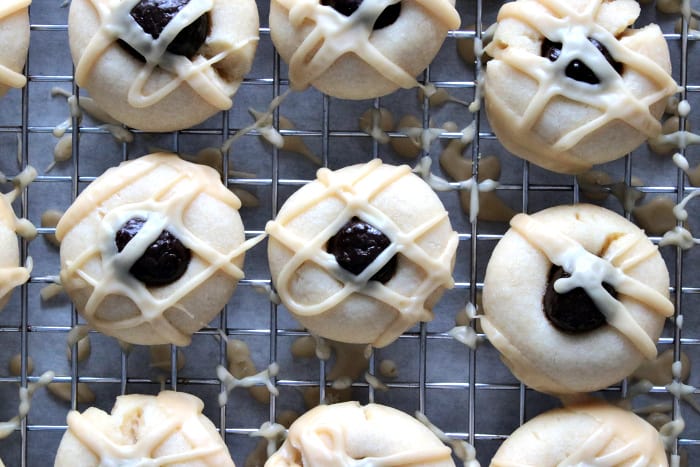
(167, 429)
(594, 433)
(594, 245)
(344, 57)
(169, 92)
(350, 434)
(185, 199)
(334, 302)
(11, 274)
(14, 37)
(564, 124)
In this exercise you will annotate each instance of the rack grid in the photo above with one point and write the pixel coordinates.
(470, 394)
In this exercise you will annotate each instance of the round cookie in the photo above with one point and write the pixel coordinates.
(344, 434)
(14, 37)
(593, 433)
(198, 52)
(359, 52)
(143, 430)
(361, 254)
(571, 85)
(152, 249)
(11, 274)
(561, 334)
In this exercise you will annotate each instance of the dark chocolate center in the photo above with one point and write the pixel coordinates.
(357, 244)
(154, 15)
(348, 7)
(576, 69)
(164, 261)
(572, 312)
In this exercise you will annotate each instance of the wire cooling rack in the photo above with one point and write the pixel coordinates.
(469, 394)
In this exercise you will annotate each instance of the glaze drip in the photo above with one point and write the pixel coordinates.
(590, 272)
(117, 23)
(335, 35)
(357, 244)
(10, 77)
(348, 7)
(154, 15)
(577, 69)
(11, 274)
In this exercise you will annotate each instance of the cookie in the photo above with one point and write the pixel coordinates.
(359, 49)
(574, 298)
(11, 274)
(14, 37)
(570, 85)
(348, 433)
(144, 61)
(152, 249)
(362, 253)
(166, 429)
(593, 433)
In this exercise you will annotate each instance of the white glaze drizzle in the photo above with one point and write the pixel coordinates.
(164, 210)
(679, 235)
(199, 73)
(25, 399)
(9, 77)
(596, 451)
(231, 382)
(335, 35)
(410, 309)
(271, 432)
(440, 184)
(466, 335)
(263, 121)
(678, 139)
(589, 272)
(180, 413)
(562, 23)
(637, 452)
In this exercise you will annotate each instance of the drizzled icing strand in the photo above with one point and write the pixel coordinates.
(335, 35)
(116, 23)
(357, 203)
(9, 77)
(590, 450)
(589, 272)
(462, 449)
(25, 397)
(165, 209)
(178, 414)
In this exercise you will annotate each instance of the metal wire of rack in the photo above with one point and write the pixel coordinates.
(469, 394)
